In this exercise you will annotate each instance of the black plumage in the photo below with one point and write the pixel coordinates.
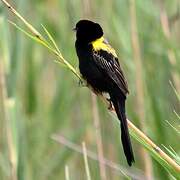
(100, 67)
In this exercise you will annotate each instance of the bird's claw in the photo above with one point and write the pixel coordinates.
(81, 83)
(110, 106)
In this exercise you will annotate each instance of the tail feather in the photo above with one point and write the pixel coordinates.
(119, 105)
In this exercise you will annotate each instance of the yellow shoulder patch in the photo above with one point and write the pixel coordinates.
(100, 43)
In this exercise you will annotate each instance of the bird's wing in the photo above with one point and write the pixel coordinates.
(111, 66)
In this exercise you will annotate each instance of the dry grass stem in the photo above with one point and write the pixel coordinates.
(139, 86)
(136, 174)
(99, 143)
(12, 154)
(86, 161)
(67, 172)
(170, 52)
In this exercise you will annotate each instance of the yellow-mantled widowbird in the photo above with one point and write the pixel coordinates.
(100, 68)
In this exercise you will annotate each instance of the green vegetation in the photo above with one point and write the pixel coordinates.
(39, 98)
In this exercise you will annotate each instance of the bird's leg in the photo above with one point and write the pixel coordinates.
(110, 107)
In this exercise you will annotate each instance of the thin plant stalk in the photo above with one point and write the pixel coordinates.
(139, 87)
(99, 143)
(86, 161)
(12, 154)
(170, 52)
(67, 173)
(115, 167)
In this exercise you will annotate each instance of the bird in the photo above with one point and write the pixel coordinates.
(100, 68)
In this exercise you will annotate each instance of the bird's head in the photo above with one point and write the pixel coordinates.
(88, 31)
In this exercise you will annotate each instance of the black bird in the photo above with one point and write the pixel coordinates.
(99, 66)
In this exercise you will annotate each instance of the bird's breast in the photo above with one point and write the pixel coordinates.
(89, 70)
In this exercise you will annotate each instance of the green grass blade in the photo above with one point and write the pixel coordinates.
(51, 39)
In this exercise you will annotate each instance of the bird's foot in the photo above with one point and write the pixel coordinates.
(81, 83)
(110, 106)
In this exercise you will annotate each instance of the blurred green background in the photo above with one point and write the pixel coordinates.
(40, 98)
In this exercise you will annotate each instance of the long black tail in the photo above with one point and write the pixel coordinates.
(119, 105)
